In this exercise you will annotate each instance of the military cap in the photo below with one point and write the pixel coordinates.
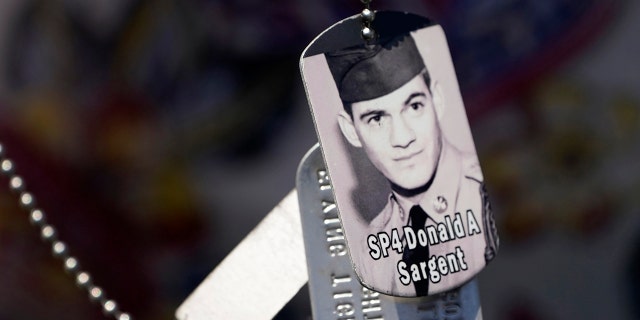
(371, 71)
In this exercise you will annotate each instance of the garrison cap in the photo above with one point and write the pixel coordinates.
(372, 71)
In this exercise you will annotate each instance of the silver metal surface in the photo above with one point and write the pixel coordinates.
(334, 288)
(259, 276)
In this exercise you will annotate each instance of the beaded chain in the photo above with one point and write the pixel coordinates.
(367, 17)
(59, 249)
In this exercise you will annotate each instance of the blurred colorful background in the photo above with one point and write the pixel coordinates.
(156, 134)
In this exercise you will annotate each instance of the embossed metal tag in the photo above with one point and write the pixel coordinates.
(335, 292)
(396, 140)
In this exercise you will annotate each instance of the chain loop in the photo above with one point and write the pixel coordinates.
(367, 17)
(59, 249)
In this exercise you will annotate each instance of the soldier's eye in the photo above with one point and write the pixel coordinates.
(375, 119)
(415, 108)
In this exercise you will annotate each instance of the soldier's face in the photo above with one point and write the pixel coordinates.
(400, 133)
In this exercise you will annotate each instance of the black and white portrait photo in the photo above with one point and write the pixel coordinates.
(402, 162)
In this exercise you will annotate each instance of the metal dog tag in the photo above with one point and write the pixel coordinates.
(259, 276)
(335, 292)
(396, 140)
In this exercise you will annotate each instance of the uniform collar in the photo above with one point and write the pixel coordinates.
(441, 197)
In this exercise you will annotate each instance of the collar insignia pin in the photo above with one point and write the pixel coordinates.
(440, 204)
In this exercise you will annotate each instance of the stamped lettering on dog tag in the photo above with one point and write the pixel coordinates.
(397, 144)
(333, 286)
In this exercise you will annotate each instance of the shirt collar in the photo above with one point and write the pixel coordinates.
(440, 199)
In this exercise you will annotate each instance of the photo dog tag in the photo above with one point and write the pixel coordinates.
(396, 141)
(333, 286)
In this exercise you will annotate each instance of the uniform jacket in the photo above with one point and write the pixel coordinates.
(457, 188)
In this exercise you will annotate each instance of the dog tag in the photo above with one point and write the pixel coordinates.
(259, 276)
(397, 144)
(334, 289)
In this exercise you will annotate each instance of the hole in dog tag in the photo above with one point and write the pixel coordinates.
(403, 167)
(333, 286)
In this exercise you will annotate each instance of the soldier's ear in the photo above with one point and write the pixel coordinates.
(438, 99)
(348, 129)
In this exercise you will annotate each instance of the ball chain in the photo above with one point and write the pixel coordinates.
(367, 17)
(59, 249)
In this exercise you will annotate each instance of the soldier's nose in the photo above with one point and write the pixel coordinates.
(402, 135)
